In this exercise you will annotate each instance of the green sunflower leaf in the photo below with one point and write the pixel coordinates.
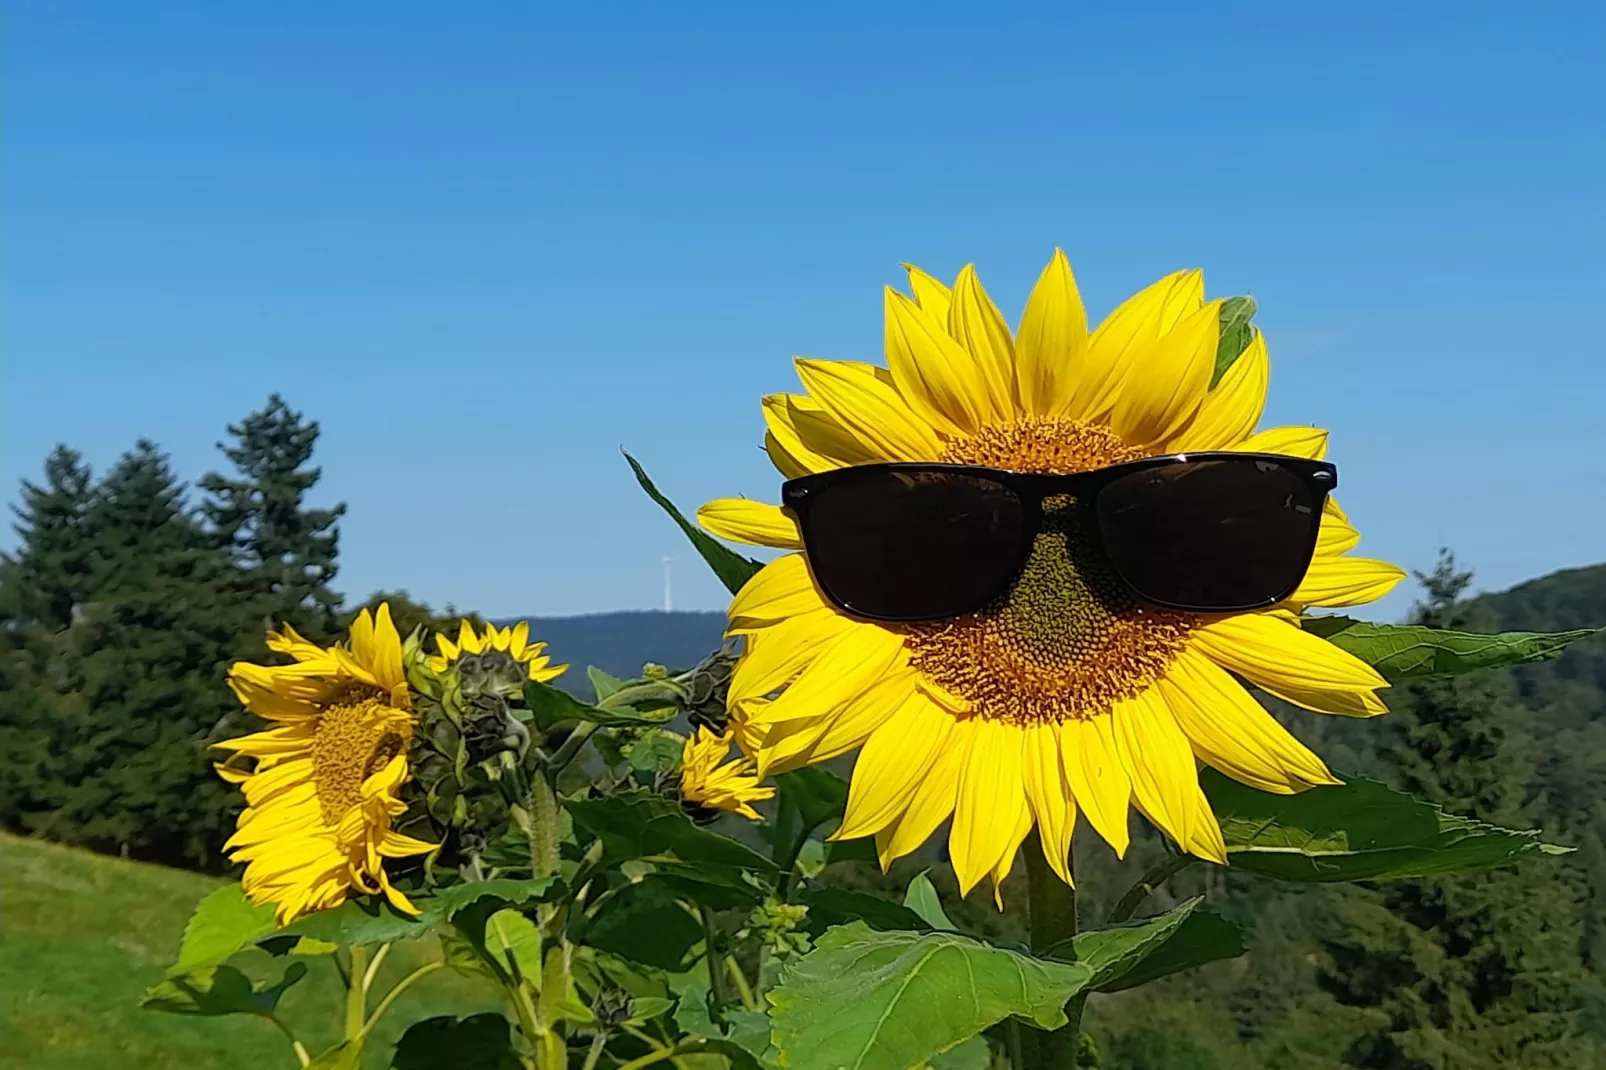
(223, 923)
(550, 706)
(922, 898)
(973, 1054)
(478, 1042)
(640, 824)
(217, 990)
(1359, 830)
(830, 906)
(1236, 334)
(894, 1000)
(346, 1055)
(645, 923)
(1403, 651)
(732, 568)
(814, 794)
(1134, 953)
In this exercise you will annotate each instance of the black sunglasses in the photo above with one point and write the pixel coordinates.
(1199, 532)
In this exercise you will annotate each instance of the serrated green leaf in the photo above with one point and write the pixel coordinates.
(550, 706)
(1132, 953)
(645, 922)
(1404, 651)
(1236, 334)
(640, 824)
(922, 898)
(890, 1001)
(973, 1054)
(216, 990)
(478, 1042)
(816, 795)
(830, 906)
(602, 684)
(1204, 937)
(222, 924)
(375, 921)
(655, 751)
(512, 940)
(732, 568)
(1359, 830)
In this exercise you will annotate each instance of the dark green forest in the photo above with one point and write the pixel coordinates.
(129, 591)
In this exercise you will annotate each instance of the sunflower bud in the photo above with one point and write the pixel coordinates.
(706, 687)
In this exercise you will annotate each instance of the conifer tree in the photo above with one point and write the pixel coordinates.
(286, 549)
(1468, 972)
(42, 584)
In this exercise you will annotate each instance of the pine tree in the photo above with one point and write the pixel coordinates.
(42, 584)
(147, 658)
(286, 549)
(1470, 972)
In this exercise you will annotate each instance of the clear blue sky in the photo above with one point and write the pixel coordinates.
(486, 245)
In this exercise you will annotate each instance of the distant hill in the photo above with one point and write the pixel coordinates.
(621, 643)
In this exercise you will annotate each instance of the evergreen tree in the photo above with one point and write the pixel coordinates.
(286, 549)
(1461, 973)
(146, 660)
(42, 584)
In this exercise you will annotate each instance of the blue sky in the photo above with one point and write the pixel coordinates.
(488, 245)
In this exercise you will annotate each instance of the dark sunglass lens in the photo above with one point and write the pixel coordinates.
(911, 544)
(1212, 534)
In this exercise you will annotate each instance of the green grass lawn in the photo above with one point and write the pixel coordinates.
(81, 937)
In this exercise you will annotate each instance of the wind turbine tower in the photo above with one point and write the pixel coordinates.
(669, 592)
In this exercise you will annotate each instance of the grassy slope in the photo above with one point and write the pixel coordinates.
(82, 935)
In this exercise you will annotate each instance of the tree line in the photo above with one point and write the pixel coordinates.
(121, 607)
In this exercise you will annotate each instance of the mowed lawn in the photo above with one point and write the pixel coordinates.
(83, 935)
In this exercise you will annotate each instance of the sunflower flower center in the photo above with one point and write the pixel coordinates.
(1067, 640)
(353, 741)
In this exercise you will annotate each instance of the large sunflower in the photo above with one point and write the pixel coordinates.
(323, 792)
(506, 646)
(1060, 697)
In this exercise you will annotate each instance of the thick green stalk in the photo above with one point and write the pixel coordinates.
(1052, 913)
(544, 828)
(357, 993)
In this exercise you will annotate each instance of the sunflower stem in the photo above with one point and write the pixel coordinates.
(1146, 884)
(357, 993)
(544, 825)
(715, 962)
(1051, 905)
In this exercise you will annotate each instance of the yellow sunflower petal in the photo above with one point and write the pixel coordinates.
(788, 464)
(1346, 581)
(1124, 338)
(893, 763)
(1234, 733)
(870, 408)
(936, 376)
(977, 325)
(1155, 753)
(855, 660)
(990, 801)
(755, 523)
(1310, 442)
(1163, 389)
(519, 640)
(1230, 412)
(771, 659)
(931, 295)
(1053, 341)
(929, 806)
(794, 744)
(1338, 703)
(781, 590)
(811, 437)
(1006, 860)
(1335, 536)
(386, 663)
(1049, 795)
(466, 639)
(1098, 780)
(1272, 653)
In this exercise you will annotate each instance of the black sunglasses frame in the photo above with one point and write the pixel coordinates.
(1033, 488)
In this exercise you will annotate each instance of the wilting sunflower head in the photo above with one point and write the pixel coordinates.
(502, 655)
(323, 793)
(708, 781)
(1066, 692)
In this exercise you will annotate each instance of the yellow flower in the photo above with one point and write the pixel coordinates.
(514, 642)
(704, 781)
(1051, 700)
(322, 796)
